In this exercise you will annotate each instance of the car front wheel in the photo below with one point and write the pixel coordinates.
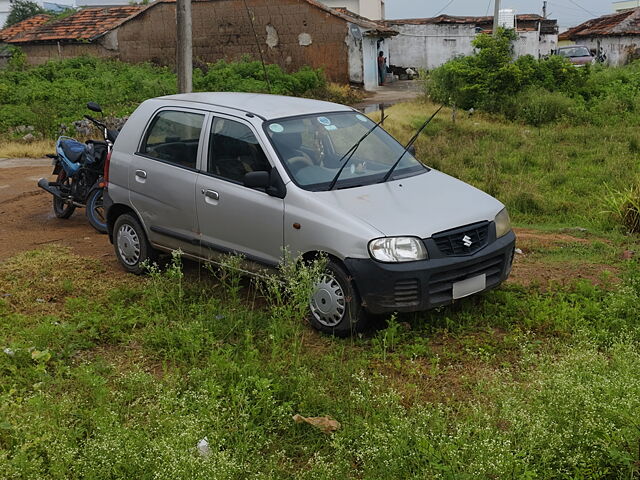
(335, 305)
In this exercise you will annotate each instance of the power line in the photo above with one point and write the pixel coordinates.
(581, 7)
(443, 9)
(486, 13)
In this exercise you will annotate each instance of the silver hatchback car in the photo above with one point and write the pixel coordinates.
(257, 175)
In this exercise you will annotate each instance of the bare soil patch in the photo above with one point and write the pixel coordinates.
(27, 221)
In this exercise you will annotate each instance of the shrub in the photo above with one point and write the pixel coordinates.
(624, 206)
(57, 92)
(537, 106)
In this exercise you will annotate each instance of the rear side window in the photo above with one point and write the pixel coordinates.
(234, 151)
(173, 137)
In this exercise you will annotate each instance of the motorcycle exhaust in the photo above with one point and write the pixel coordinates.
(43, 183)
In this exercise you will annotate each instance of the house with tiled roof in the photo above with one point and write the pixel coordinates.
(614, 38)
(291, 33)
(430, 42)
(25, 25)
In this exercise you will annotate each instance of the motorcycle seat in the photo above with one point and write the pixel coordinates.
(73, 150)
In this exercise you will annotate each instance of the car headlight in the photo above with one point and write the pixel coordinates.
(503, 223)
(397, 249)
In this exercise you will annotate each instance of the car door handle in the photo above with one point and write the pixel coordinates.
(213, 195)
(141, 174)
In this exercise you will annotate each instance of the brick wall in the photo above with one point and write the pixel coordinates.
(221, 30)
(38, 54)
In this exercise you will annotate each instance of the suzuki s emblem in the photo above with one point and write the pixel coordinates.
(466, 240)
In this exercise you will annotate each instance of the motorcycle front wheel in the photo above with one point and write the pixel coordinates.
(95, 211)
(61, 208)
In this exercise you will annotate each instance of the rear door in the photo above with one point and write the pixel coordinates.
(232, 217)
(163, 177)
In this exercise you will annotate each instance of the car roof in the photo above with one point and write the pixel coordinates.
(266, 106)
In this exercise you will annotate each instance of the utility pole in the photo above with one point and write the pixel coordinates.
(184, 47)
(496, 14)
(544, 9)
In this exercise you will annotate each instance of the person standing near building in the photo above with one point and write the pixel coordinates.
(382, 68)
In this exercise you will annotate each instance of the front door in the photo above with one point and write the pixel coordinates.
(163, 178)
(231, 217)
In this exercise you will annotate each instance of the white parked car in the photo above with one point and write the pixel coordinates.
(215, 173)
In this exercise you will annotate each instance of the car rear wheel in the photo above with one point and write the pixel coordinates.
(131, 245)
(335, 305)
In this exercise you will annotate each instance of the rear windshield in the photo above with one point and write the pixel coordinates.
(574, 52)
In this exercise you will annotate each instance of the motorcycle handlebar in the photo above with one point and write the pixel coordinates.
(98, 123)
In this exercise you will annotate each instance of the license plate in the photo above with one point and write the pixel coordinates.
(469, 286)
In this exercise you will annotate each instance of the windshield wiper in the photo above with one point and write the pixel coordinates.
(350, 153)
(411, 142)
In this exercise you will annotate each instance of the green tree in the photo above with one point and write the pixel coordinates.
(21, 10)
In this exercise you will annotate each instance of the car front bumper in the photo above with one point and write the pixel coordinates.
(417, 286)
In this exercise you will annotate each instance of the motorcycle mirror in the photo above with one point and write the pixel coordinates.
(93, 106)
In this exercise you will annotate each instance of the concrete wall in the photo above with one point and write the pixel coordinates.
(623, 5)
(291, 34)
(429, 45)
(534, 44)
(372, 9)
(351, 5)
(618, 50)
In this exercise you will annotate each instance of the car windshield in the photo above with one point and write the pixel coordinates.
(313, 149)
(575, 52)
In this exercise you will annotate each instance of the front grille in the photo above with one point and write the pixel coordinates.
(406, 293)
(452, 242)
(440, 286)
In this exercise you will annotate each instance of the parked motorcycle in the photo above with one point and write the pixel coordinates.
(80, 171)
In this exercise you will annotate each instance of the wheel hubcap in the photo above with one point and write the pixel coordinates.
(128, 245)
(328, 304)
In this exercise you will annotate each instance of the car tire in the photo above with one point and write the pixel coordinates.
(132, 248)
(335, 306)
(95, 211)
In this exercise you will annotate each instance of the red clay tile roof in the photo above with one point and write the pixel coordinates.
(85, 25)
(525, 17)
(91, 23)
(626, 22)
(27, 24)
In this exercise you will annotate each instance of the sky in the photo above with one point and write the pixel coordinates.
(568, 12)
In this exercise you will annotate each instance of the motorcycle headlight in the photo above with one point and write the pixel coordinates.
(503, 223)
(397, 249)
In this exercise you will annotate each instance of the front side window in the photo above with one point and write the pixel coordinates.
(313, 149)
(174, 137)
(234, 151)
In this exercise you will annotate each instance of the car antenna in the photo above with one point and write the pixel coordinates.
(255, 35)
(411, 142)
(351, 151)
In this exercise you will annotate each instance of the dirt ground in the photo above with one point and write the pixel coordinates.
(27, 222)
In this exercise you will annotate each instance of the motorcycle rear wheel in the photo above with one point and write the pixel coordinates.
(95, 211)
(61, 208)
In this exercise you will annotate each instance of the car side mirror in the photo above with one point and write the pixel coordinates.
(412, 150)
(94, 107)
(257, 179)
